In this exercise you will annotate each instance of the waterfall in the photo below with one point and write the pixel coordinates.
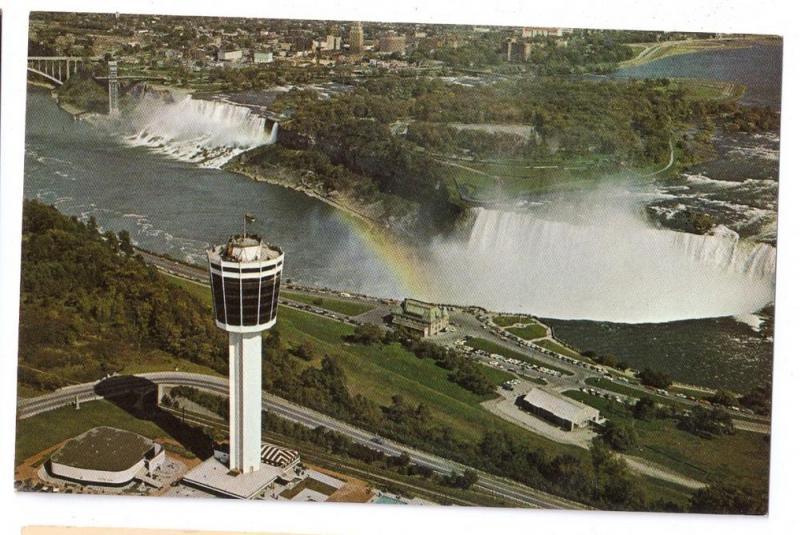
(617, 268)
(205, 132)
(273, 135)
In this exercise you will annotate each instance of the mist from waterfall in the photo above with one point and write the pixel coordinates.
(204, 132)
(595, 256)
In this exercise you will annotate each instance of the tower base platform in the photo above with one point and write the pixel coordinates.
(214, 476)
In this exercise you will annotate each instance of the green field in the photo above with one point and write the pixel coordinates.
(612, 386)
(381, 371)
(507, 320)
(529, 332)
(741, 458)
(491, 347)
(555, 347)
(200, 291)
(348, 308)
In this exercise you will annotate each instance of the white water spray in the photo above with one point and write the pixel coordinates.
(205, 132)
(604, 263)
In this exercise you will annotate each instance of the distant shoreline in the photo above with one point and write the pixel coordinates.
(656, 51)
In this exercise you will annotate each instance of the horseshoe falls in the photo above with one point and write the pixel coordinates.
(613, 268)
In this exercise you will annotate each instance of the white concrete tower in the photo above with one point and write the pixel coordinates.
(245, 279)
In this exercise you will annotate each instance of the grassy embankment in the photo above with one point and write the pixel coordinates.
(740, 459)
(611, 386)
(647, 52)
(379, 372)
(342, 306)
(492, 347)
(529, 332)
(507, 320)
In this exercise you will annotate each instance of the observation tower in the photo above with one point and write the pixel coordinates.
(245, 278)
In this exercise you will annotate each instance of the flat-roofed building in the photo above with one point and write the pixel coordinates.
(543, 32)
(421, 317)
(107, 456)
(229, 55)
(557, 409)
(262, 57)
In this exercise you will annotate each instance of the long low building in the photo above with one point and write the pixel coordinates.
(559, 410)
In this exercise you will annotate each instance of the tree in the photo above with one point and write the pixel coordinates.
(654, 378)
(759, 399)
(125, 242)
(707, 423)
(367, 334)
(621, 437)
(727, 499)
(645, 408)
(462, 481)
(305, 351)
(468, 478)
(723, 397)
(614, 486)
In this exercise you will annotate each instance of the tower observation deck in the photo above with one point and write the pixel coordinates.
(245, 278)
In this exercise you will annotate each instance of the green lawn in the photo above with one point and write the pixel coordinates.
(349, 308)
(491, 347)
(555, 347)
(200, 291)
(42, 431)
(380, 371)
(529, 332)
(507, 320)
(741, 458)
(607, 384)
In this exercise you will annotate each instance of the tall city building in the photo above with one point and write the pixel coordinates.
(356, 37)
(245, 278)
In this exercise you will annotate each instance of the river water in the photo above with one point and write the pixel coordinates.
(179, 208)
(758, 67)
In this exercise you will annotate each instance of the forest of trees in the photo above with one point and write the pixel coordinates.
(90, 307)
(84, 93)
(380, 140)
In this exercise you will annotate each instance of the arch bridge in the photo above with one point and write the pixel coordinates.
(58, 69)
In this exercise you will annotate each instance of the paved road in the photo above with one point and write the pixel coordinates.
(178, 268)
(498, 486)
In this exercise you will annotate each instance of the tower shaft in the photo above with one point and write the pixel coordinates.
(245, 401)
